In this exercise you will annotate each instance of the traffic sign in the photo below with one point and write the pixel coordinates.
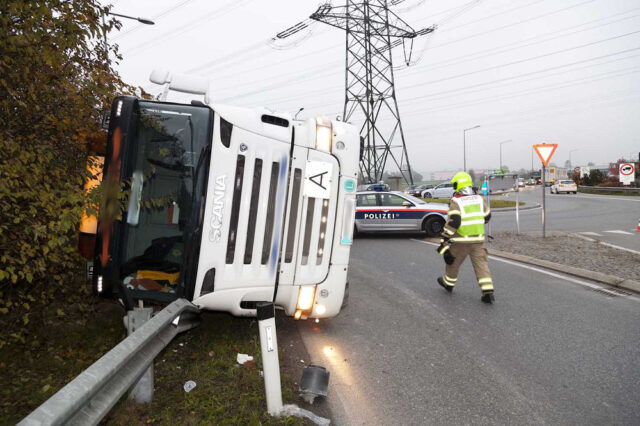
(545, 151)
(627, 173)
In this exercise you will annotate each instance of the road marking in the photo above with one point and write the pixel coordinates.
(608, 197)
(618, 231)
(593, 234)
(619, 248)
(543, 271)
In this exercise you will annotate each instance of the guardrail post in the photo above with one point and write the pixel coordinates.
(270, 362)
(142, 390)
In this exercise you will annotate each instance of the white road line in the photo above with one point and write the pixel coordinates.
(543, 271)
(609, 197)
(593, 234)
(618, 231)
(618, 247)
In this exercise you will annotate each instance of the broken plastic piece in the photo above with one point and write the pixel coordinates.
(242, 358)
(314, 383)
(294, 410)
(189, 386)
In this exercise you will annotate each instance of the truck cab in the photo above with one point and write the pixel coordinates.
(226, 206)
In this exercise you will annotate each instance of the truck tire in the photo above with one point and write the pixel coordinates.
(433, 226)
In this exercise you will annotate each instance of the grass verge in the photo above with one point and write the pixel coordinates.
(495, 204)
(225, 392)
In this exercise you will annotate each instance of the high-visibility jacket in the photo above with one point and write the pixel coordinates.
(466, 218)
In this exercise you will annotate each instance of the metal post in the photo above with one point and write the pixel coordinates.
(142, 391)
(543, 206)
(270, 362)
(517, 210)
(464, 149)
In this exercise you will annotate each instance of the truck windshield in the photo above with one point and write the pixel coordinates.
(166, 167)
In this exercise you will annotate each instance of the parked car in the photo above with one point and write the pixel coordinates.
(567, 186)
(531, 182)
(444, 190)
(384, 211)
(418, 190)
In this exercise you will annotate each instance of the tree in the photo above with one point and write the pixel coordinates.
(56, 78)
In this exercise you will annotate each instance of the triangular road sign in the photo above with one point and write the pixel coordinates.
(545, 151)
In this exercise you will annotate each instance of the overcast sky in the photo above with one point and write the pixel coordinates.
(530, 71)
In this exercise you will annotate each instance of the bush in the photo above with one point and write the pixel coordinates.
(55, 80)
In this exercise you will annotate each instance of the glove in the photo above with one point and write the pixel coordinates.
(443, 247)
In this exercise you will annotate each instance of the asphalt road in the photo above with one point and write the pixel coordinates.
(551, 350)
(602, 217)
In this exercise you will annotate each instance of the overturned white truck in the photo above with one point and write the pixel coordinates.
(227, 206)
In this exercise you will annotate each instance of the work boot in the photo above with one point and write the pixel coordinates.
(488, 297)
(447, 287)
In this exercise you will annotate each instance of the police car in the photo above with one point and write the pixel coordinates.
(388, 211)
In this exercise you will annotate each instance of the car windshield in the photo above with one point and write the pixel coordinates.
(414, 199)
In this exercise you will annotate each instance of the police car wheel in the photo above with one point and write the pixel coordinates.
(433, 226)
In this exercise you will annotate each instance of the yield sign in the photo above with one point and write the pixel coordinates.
(545, 151)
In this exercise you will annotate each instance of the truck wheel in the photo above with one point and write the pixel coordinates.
(433, 226)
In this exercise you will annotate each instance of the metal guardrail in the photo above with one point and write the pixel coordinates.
(611, 188)
(89, 397)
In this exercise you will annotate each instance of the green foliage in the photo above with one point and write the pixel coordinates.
(596, 177)
(56, 78)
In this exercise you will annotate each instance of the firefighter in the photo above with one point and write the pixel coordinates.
(463, 236)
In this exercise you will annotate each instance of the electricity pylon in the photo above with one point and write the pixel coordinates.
(372, 31)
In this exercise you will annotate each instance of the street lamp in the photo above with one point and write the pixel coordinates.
(464, 145)
(573, 150)
(141, 20)
(502, 143)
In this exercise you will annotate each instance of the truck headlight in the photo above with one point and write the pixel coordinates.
(324, 134)
(306, 297)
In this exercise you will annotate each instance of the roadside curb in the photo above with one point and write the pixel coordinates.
(578, 272)
(513, 209)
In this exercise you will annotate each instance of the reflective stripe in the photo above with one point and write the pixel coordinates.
(485, 287)
(449, 231)
(468, 239)
(453, 280)
(485, 280)
(453, 212)
(470, 215)
(473, 222)
(448, 281)
(444, 249)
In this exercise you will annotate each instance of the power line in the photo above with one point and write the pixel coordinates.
(477, 84)
(456, 60)
(153, 18)
(216, 13)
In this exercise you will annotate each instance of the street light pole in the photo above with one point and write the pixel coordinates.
(573, 150)
(464, 145)
(502, 143)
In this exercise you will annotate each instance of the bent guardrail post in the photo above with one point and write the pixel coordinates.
(89, 397)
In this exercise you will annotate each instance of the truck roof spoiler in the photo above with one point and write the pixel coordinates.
(183, 83)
